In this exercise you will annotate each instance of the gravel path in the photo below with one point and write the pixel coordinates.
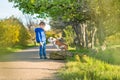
(26, 65)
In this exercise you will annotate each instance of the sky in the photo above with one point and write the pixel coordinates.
(7, 10)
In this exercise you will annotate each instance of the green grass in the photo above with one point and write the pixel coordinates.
(89, 65)
(88, 68)
(110, 55)
(9, 50)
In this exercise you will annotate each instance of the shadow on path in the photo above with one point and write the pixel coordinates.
(30, 55)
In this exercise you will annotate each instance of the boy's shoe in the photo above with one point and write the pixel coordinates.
(45, 57)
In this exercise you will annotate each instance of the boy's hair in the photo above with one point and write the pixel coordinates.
(42, 23)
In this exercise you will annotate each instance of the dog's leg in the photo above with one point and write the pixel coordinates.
(57, 47)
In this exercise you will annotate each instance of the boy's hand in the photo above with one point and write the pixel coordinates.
(41, 43)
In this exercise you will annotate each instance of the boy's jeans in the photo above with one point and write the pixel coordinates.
(42, 51)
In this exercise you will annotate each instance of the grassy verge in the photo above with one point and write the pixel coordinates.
(88, 68)
(9, 50)
(110, 55)
(87, 65)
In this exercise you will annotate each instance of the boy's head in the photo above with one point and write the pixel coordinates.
(42, 24)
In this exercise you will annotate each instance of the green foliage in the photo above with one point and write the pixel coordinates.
(9, 33)
(12, 32)
(110, 55)
(90, 69)
(69, 35)
(50, 33)
(105, 14)
(24, 36)
(67, 9)
(113, 39)
(102, 14)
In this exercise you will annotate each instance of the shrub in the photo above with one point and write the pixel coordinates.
(69, 35)
(12, 32)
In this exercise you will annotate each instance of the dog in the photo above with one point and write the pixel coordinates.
(58, 44)
(61, 45)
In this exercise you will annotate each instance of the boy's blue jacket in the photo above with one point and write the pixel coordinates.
(40, 35)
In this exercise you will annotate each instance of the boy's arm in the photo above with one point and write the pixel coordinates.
(38, 36)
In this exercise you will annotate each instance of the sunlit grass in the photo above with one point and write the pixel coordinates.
(4, 51)
(71, 48)
(110, 55)
(89, 68)
(89, 65)
(9, 50)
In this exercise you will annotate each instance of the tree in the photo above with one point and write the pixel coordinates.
(105, 15)
(90, 19)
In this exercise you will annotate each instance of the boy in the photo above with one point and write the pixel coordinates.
(41, 38)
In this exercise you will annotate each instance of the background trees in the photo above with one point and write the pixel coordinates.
(92, 21)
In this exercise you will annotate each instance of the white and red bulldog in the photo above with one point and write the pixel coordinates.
(58, 44)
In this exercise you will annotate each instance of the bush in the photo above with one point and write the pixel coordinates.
(12, 32)
(69, 35)
(24, 36)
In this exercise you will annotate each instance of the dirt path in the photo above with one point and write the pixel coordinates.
(26, 65)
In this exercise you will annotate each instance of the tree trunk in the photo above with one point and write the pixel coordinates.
(86, 36)
(78, 37)
(93, 38)
(81, 33)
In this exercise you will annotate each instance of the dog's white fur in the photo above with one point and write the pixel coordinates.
(53, 40)
(59, 45)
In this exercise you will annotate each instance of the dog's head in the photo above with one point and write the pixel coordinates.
(51, 39)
